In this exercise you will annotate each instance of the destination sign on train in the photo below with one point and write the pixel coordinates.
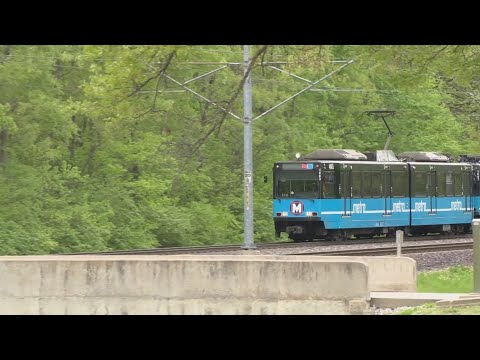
(297, 166)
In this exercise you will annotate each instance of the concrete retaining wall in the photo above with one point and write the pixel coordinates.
(391, 273)
(188, 285)
(385, 273)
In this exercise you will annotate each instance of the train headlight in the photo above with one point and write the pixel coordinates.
(312, 213)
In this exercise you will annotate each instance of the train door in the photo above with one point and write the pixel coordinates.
(467, 191)
(387, 192)
(347, 192)
(475, 189)
(432, 192)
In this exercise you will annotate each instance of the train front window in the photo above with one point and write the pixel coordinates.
(297, 184)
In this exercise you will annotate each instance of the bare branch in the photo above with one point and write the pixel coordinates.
(159, 74)
(431, 58)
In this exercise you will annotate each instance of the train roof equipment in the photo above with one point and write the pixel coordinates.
(383, 114)
(381, 155)
(423, 156)
(335, 154)
(470, 158)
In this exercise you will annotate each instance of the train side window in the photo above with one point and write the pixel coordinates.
(367, 184)
(420, 184)
(442, 183)
(476, 181)
(329, 177)
(328, 184)
(399, 183)
(458, 184)
(356, 184)
(377, 184)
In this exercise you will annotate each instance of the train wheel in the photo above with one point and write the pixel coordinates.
(461, 229)
(298, 238)
(391, 234)
(336, 236)
(364, 236)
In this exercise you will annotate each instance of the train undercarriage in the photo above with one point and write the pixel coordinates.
(300, 231)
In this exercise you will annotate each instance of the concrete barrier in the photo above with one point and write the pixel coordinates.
(385, 273)
(126, 284)
(391, 273)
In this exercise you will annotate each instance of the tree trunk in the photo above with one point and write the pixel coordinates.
(72, 144)
(3, 146)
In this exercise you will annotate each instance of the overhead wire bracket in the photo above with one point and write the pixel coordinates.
(383, 114)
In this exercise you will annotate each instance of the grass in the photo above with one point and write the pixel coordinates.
(457, 279)
(432, 309)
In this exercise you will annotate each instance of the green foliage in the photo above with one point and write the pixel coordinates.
(6, 120)
(92, 157)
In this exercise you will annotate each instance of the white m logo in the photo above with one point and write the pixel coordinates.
(296, 208)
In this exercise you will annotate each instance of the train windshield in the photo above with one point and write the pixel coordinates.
(301, 184)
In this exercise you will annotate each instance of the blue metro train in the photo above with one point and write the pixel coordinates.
(474, 160)
(334, 194)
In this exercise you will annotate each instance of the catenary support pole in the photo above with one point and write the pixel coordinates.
(247, 155)
(476, 254)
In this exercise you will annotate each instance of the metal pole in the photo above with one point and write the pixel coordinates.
(247, 155)
(390, 134)
(389, 138)
(399, 238)
(476, 254)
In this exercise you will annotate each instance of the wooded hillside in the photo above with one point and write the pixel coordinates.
(100, 150)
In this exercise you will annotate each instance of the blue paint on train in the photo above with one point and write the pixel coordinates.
(349, 214)
(441, 210)
(476, 206)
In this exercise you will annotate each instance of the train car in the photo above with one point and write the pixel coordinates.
(440, 193)
(334, 194)
(474, 160)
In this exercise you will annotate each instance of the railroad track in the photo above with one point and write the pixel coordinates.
(182, 250)
(222, 248)
(391, 250)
